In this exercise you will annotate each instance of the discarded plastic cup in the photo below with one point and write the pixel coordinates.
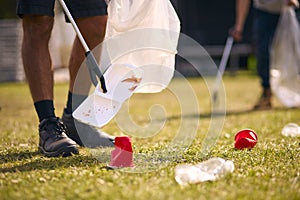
(209, 170)
(122, 155)
(291, 129)
(245, 138)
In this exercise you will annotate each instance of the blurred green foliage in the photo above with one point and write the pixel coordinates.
(251, 64)
(8, 9)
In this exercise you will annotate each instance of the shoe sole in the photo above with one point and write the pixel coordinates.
(64, 151)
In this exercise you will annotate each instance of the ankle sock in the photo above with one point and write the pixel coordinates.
(44, 109)
(74, 100)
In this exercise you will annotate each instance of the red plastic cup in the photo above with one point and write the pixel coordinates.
(122, 155)
(245, 139)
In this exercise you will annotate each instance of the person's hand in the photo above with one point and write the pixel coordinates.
(236, 33)
(294, 3)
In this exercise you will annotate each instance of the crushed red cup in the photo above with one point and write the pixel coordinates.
(245, 139)
(122, 155)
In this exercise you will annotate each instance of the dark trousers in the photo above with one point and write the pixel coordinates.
(264, 27)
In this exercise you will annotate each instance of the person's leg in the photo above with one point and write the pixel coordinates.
(93, 31)
(264, 28)
(92, 27)
(36, 56)
(37, 62)
(37, 27)
(90, 17)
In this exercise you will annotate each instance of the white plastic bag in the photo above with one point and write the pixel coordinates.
(99, 108)
(285, 59)
(138, 55)
(145, 34)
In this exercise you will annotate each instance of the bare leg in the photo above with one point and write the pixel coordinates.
(37, 64)
(93, 31)
(36, 56)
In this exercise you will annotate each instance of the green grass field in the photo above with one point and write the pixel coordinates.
(271, 170)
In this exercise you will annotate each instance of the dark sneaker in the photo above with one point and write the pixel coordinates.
(53, 139)
(88, 136)
(264, 102)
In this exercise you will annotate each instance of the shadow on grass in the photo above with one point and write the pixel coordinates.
(33, 160)
(208, 115)
(227, 113)
(14, 157)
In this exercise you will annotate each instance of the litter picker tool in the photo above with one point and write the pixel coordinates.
(90, 59)
(223, 63)
(141, 65)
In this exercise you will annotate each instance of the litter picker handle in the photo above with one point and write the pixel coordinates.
(91, 61)
(226, 54)
(66, 10)
(223, 63)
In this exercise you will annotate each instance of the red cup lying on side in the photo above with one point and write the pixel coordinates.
(245, 139)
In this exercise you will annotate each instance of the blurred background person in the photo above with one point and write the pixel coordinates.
(266, 17)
